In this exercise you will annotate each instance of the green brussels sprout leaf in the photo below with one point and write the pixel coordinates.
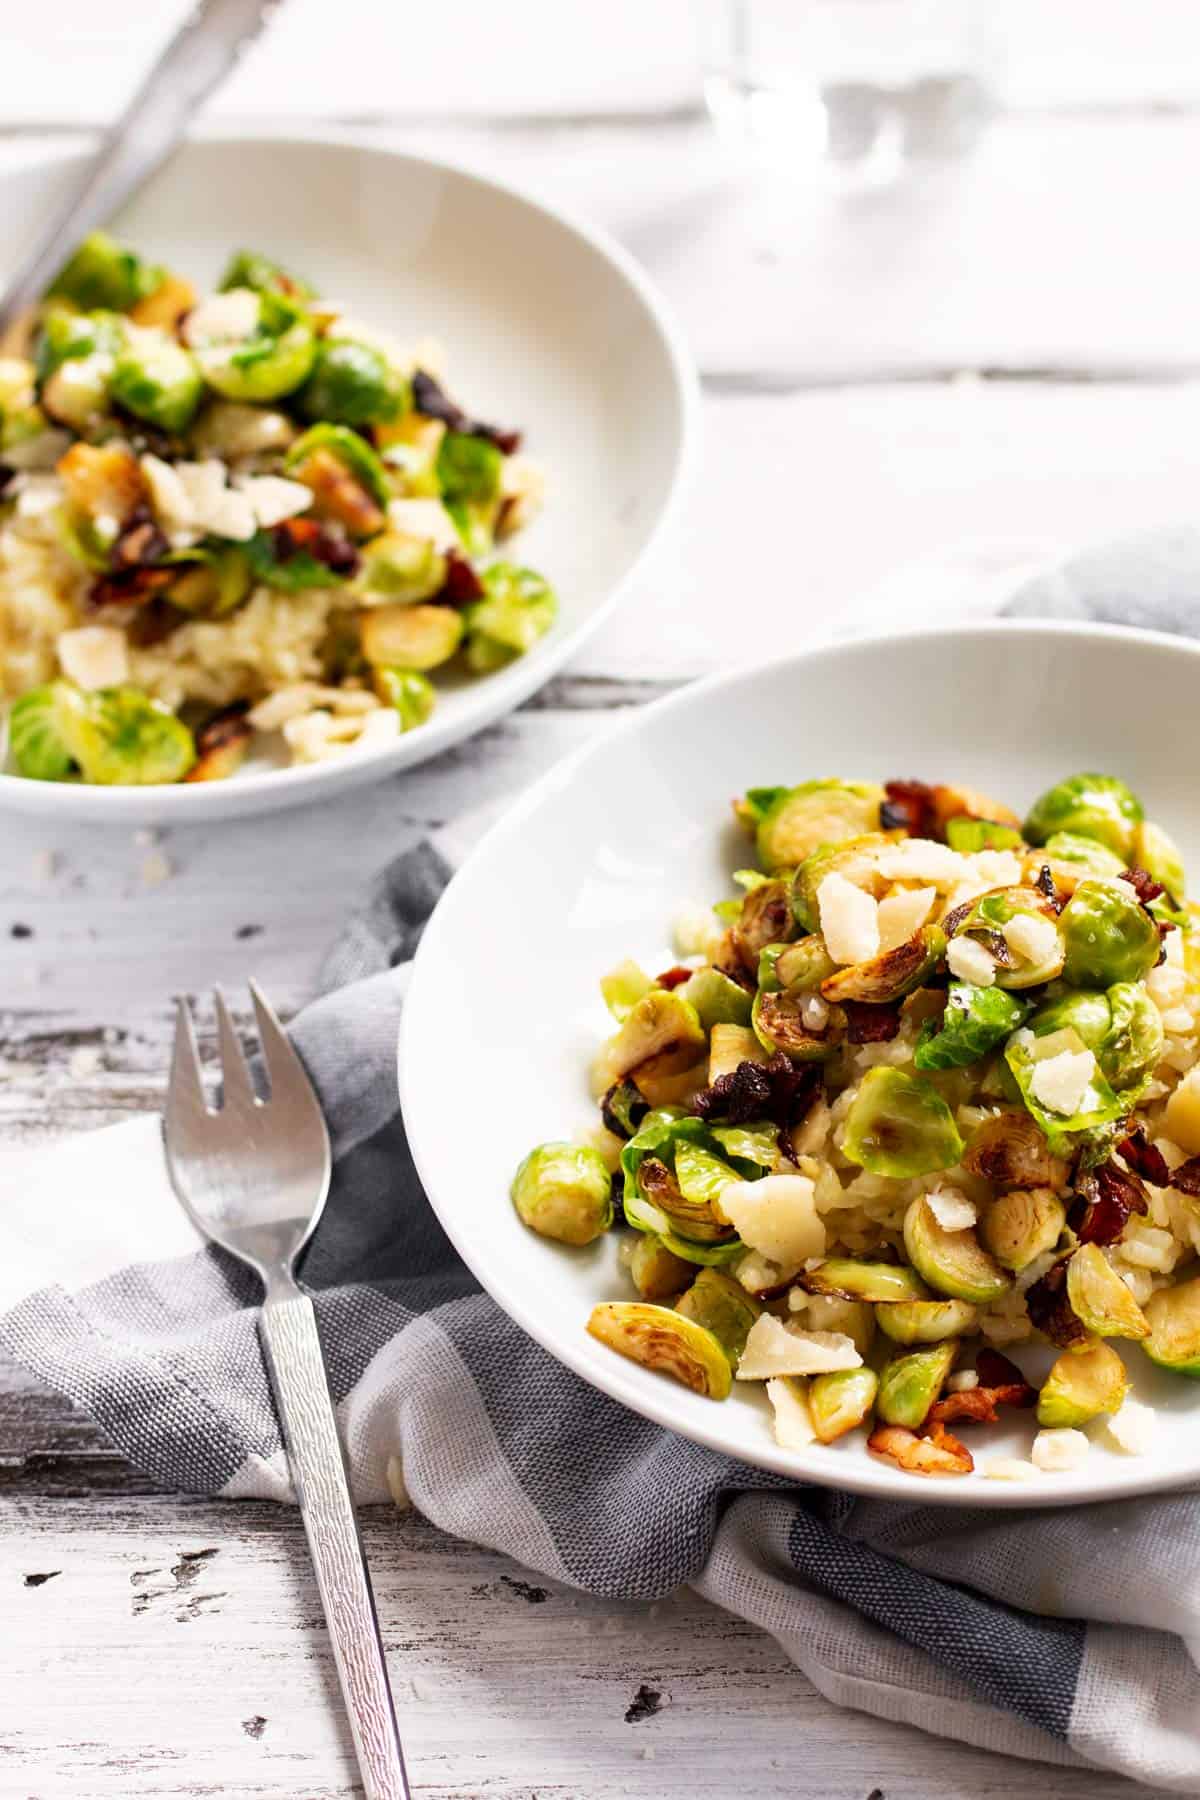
(976, 1019)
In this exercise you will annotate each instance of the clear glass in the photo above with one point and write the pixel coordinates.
(866, 86)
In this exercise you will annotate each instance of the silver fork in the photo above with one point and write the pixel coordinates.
(253, 1178)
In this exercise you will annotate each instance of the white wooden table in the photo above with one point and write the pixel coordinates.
(881, 382)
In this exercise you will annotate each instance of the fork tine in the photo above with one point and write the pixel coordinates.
(185, 1094)
(281, 1060)
(235, 1074)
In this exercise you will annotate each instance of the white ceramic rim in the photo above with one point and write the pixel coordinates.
(608, 1375)
(502, 692)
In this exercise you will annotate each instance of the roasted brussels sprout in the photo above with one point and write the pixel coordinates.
(222, 745)
(661, 1025)
(728, 1047)
(1080, 1010)
(1021, 1225)
(801, 819)
(233, 431)
(763, 919)
(779, 1023)
(717, 999)
(120, 737)
(1108, 935)
(840, 1401)
(656, 1273)
(247, 269)
(1092, 857)
(623, 1108)
(927, 1321)
(408, 693)
(803, 966)
(623, 987)
(353, 384)
(1090, 806)
(1010, 1150)
(1173, 1315)
(410, 637)
(723, 1307)
(662, 1339)
(75, 358)
(1081, 1385)
(347, 477)
(564, 1191)
(158, 382)
(855, 1319)
(104, 274)
(850, 1279)
(275, 358)
(1158, 854)
(976, 1019)
(909, 1385)
(952, 1262)
(469, 470)
(1099, 1298)
(701, 1174)
(1131, 1048)
(518, 607)
(990, 918)
(398, 565)
(38, 731)
(1098, 1104)
(212, 580)
(969, 835)
(899, 1125)
(891, 976)
(674, 1173)
(849, 858)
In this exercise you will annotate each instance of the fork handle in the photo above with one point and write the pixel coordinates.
(288, 1328)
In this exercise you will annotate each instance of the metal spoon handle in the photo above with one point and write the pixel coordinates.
(201, 53)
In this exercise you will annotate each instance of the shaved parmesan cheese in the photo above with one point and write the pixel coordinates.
(274, 498)
(970, 961)
(792, 1423)
(952, 1210)
(1060, 1082)
(997, 868)
(903, 913)
(777, 1216)
(1132, 1428)
(773, 1348)
(1059, 1449)
(921, 859)
(222, 318)
(94, 656)
(170, 497)
(1031, 937)
(849, 920)
(425, 519)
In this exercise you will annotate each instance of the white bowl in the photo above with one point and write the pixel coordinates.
(503, 1014)
(546, 325)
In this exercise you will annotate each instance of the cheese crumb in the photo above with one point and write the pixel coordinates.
(94, 656)
(425, 519)
(849, 920)
(952, 1210)
(773, 1348)
(777, 1216)
(921, 859)
(997, 868)
(792, 1422)
(1133, 1428)
(1059, 1449)
(1010, 1468)
(963, 1381)
(1031, 937)
(970, 961)
(904, 913)
(222, 318)
(273, 498)
(1061, 1081)
(814, 1012)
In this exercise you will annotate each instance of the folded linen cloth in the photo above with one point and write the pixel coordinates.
(1064, 1636)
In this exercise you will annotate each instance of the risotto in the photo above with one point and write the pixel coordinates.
(240, 514)
(926, 1091)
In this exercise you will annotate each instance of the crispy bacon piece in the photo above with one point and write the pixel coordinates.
(673, 978)
(1105, 1198)
(996, 1370)
(867, 1023)
(1186, 1177)
(908, 807)
(980, 1403)
(1052, 1313)
(1143, 884)
(310, 537)
(1144, 1158)
(941, 1453)
(462, 584)
(431, 400)
(131, 588)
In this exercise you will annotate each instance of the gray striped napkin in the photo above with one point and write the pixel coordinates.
(1059, 1636)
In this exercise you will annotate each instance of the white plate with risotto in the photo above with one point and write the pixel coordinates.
(853, 1130)
(320, 461)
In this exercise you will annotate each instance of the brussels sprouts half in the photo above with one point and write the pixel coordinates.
(927, 1321)
(1131, 1048)
(723, 1307)
(212, 582)
(37, 730)
(975, 1020)
(660, 1025)
(849, 1279)
(408, 693)
(518, 607)
(105, 274)
(469, 470)
(1159, 855)
(564, 1192)
(655, 1271)
(1090, 806)
(899, 1125)
(664, 1340)
(988, 916)
(840, 1401)
(1099, 1298)
(410, 637)
(844, 858)
(353, 384)
(158, 382)
(952, 1262)
(909, 1385)
(887, 978)
(120, 737)
(247, 269)
(1173, 1315)
(1108, 935)
(1021, 1225)
(717, 999)
(801, 819)
(1081, 1385)
(1099, 1106)
(275, 359)
(1092, 857)
(398, 565)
